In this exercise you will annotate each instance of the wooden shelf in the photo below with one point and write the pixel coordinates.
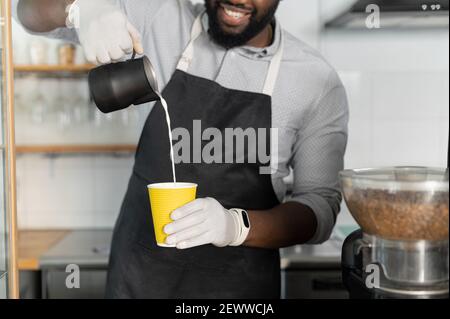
(82, 68)
(75, 149)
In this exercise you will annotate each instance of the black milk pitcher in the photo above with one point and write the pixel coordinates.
(116, 86)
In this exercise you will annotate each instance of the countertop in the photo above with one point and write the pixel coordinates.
(86, 248)
(90, 248)
(325, 256)
(34, 243)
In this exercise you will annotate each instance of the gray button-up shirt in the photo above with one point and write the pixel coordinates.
(309, 104)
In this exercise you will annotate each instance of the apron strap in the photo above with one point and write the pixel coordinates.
(188, 54)
(275, 63)
(274, 69)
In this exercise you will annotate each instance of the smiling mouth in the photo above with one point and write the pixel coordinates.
(234, 16)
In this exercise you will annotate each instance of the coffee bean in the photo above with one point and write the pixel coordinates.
(402, 215)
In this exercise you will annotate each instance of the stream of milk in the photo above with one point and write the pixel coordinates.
(166, 110)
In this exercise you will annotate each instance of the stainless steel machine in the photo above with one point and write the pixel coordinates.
(401, 250)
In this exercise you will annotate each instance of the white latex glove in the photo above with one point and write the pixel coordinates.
(201, 222)
(104, 31)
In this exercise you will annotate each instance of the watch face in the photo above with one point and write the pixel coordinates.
(246, 221)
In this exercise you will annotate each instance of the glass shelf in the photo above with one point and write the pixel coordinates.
(82, 68)
(53, 71)
(75, 149)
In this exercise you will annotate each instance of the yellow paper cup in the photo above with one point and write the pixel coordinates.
(164, 199)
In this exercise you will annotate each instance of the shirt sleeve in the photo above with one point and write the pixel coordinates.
(142, 13)
(66, 34)
(165, 27)
(139, 12)
(319, 156)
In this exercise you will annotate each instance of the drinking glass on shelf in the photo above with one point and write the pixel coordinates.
(130, 117)
(80, 102)
(98, 117)
(19, 107)
(53, 54)
(63, 107)
(66, 53)
(124, 118)
(64, 115)
(38, 52)
(18, 102)
(18, 97)
(80, 111)
(38, 109)
(103, 125)
(21, 116)
(29, 86)
(109, 121)
(52, 96)
(79, 56)
(21, 52)
(129, 122)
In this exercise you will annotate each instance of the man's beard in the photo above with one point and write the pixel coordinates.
(229, 40)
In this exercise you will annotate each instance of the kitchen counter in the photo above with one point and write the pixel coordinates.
(325, 256)
(87, 252)
(90, 248)
(86, 248)
(307, 271)
(34, 243)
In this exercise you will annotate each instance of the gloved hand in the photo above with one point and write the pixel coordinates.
(201, 222)
(104, 31)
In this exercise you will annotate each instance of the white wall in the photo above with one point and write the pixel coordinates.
(302, 19)
(397, 82)
(71, 192)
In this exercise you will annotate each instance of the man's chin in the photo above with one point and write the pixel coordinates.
(231, 30)
(230, 33)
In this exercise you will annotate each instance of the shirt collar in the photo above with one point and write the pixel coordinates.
(266, 52)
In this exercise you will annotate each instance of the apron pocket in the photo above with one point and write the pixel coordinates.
(157, 276)
(168, 255)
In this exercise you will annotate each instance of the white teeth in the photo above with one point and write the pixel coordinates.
(234, 14)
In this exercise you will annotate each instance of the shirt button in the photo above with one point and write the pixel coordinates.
(232, 55)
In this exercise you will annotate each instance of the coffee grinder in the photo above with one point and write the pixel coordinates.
(401, 250)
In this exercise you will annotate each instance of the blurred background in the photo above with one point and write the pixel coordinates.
(73, 162)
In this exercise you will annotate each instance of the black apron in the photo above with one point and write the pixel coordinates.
(138, 267)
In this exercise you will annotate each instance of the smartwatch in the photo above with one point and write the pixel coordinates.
(243, 223)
